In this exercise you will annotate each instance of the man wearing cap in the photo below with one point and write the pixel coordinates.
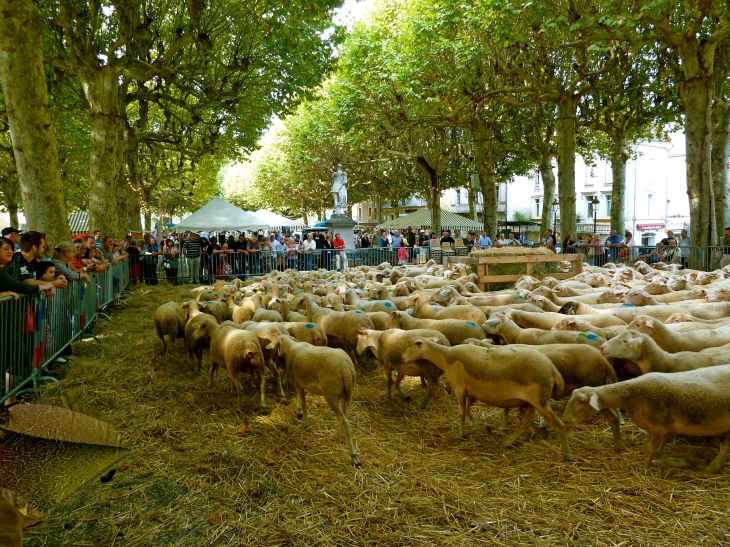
(13, 234)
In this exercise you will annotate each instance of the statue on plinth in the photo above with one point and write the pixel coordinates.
(339, 191)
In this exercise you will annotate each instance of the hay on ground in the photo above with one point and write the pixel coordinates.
(192, 479)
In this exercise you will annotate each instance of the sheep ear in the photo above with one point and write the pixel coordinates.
(650, 323)
(636, 346)
(593, 402)
(419, 343)
(271, 346)
(434, 339)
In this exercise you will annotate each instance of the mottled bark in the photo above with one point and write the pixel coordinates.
(147, 220)
(434, 192)
(548, 195)
(566, 144)
(472, 197)
(721, 162)
(108, 190)
(486, 169)
(618, 175)
(696, 95)
(31, 125)
(133, 181)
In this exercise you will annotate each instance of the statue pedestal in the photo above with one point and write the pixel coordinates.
(343, 225)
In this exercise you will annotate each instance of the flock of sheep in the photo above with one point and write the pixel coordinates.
(652, 342)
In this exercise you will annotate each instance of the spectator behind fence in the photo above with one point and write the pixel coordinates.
(277, 251)
(548, 240)
(13, 235)
(254, 255)
(9, 285)
(45, 270)
(327, 252)
(63, 256)
(149, 265)
(513, 240)
(628, 245)
(32, 248)
(192, 248)
(500, 241)
(410, 237)
(213, 250)
(98, 242)
(308, 248)
(484, 240)
(684, 245)
(670, 236)
(673, 254)
(170, 261)
(291, 253)
(568, 244)
(724, 242)
(458, 240)
(95, 256)
(108, 248)
(134, 264)
(613, 244)
(338, 244)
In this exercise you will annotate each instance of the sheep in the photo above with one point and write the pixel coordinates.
(512, 334)
(320, 371)
(456, 331)
(547, 320)
(575, 324)
(380, 319)
(579, 366)
(369, 305)
(341, 327)
(267, 332)
(267, 315)
(216, 308)
(495, 299)
(238, 351)
(292, 316)
(643, 351)
(497, 376)
(695, 403)
(169, 319)
(199, 329)
(238, 312)
(674, 342)
(388, 347)
(463, 312)
(307, 332)
(11, 525)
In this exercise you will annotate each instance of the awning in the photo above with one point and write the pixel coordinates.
(220, 216)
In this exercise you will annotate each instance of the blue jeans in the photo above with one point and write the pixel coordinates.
(308, 262)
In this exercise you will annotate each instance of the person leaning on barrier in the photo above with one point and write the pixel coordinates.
(13, 234)
(63, 255)
(9, 285)
(32, 247)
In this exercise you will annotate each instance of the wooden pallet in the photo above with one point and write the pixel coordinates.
(484, 262)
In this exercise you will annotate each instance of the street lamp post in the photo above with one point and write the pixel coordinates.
(555, 219)
(595, 203)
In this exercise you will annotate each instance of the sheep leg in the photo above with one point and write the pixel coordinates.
(505, 418)
(557, 424)
(476, 423)
(654, 446)
(461, 398)
(442, 392)
(164, 347)
(613, 421)
(524, 426)
(388, 370)
(719, 461)
(403, 394)
(277, 374)
(239, 389)
(198, 360)
(302, 406)
(340, 411)
(262, 390)
(213, 368)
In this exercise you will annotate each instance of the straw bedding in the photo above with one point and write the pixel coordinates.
(198, 473)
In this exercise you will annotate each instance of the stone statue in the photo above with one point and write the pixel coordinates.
(339, 191)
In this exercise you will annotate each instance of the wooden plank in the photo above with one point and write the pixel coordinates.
(523, 259)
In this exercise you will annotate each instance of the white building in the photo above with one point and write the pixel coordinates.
(656, 193)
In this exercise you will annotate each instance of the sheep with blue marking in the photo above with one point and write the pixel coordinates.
(455, 330)
(501, 325)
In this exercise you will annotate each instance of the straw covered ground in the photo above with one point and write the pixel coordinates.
(192, 478)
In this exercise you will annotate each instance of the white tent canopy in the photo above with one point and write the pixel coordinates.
(220, 216)
(277, 221)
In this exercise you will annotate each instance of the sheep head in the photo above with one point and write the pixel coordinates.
(583, 404)
(627, 345)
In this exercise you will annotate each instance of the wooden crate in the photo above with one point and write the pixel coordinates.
(482, 263)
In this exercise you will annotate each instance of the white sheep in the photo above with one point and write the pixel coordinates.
(199, 329)
(504, 377)
(328, 372)
(500, 325)
(341, 327)
(456, 331)
(169, 319)
(238, 351)
(388, 347)
(575, 324)
(675, 342)
(695, 403)
(645, 353)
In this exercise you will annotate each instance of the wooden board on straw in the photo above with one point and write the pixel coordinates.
(485, 259)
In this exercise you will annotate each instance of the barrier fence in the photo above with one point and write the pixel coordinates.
(35, 330)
